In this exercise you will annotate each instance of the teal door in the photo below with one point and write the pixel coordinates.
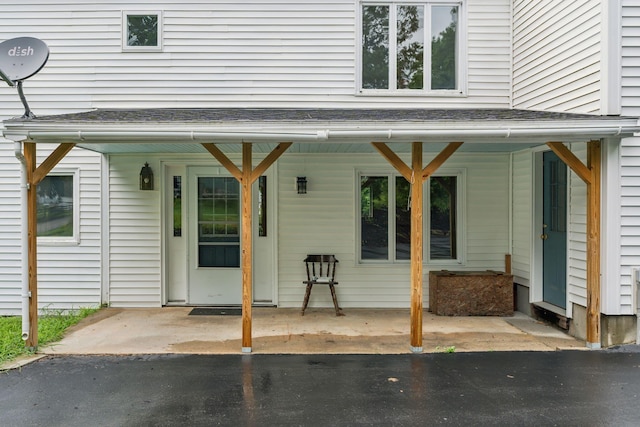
(554, 230)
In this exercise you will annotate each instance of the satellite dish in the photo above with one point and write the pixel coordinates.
(21, 58)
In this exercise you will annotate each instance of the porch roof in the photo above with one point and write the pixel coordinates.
(325, 130)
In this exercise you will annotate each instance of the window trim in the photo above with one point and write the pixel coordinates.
(124, 35)
(460, 174)
(74, 239)
(462, 64)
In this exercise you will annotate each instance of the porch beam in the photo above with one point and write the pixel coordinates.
(571, 160)
(440, 159)
(416, 248)
(393, 159)
(224, 160)
(594, 158)
(247, 276)
(268, 161)
(50, 162)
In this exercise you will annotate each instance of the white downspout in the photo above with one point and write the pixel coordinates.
(24, 239)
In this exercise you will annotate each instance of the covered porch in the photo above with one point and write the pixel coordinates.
(401, 137)
(283, 331)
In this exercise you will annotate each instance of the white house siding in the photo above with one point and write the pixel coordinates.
(68, 273)
(630, 154)
(577, 235)
(10, 279)
(556, 55)
(522, 214)
(135, 269)
(325, 220)
(134, 224)
(220, 53)
(629, 219)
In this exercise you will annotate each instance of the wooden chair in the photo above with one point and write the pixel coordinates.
(321, 270)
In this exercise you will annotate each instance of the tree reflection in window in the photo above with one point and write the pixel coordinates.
(410, 42)
(406, 55)
(443, 47)
(375, 47)
(55, 206)
(443, 235)
(142, 30)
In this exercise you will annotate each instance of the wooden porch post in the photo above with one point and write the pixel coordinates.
(593, 245)
(416, 175)
(247, 276)
(416, 247)
(247, 176)
(35, 175)
(32, 243)
(590, 174)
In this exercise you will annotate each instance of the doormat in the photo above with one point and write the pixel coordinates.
(215, 311)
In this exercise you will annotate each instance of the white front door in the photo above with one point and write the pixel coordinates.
(202, 237)
(214, 264)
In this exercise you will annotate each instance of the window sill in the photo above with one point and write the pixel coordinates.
(411, 93)
(145, 49)
(58, 242)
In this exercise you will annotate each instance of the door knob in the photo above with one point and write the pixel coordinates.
(544, 236)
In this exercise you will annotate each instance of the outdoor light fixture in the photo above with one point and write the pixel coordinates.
(146, 178)
(301, 184)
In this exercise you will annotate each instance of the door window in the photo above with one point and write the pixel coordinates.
(218, 222)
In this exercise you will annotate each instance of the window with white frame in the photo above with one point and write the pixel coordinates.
(57, 210)
(410, 47)
(385, 217)
(141, 31)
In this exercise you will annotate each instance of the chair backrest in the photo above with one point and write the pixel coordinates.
(321, 266)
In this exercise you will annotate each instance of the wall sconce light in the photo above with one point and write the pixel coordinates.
(146, 178)
(301, 184)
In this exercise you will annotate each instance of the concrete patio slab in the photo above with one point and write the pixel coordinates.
(114, 331)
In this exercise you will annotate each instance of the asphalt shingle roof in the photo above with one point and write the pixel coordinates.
(210, 115)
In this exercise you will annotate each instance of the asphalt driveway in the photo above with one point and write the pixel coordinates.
(566, 388)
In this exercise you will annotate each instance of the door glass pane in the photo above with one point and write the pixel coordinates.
(442, 236)
(177, 206)
(374, 216)
(444, 23)
(218, 222)
(558, 189)
(403, 219)
(410, 40)
(262, 206)
(375, 47)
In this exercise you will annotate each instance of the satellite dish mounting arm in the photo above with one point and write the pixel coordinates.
(27, 111)
(6, 79)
